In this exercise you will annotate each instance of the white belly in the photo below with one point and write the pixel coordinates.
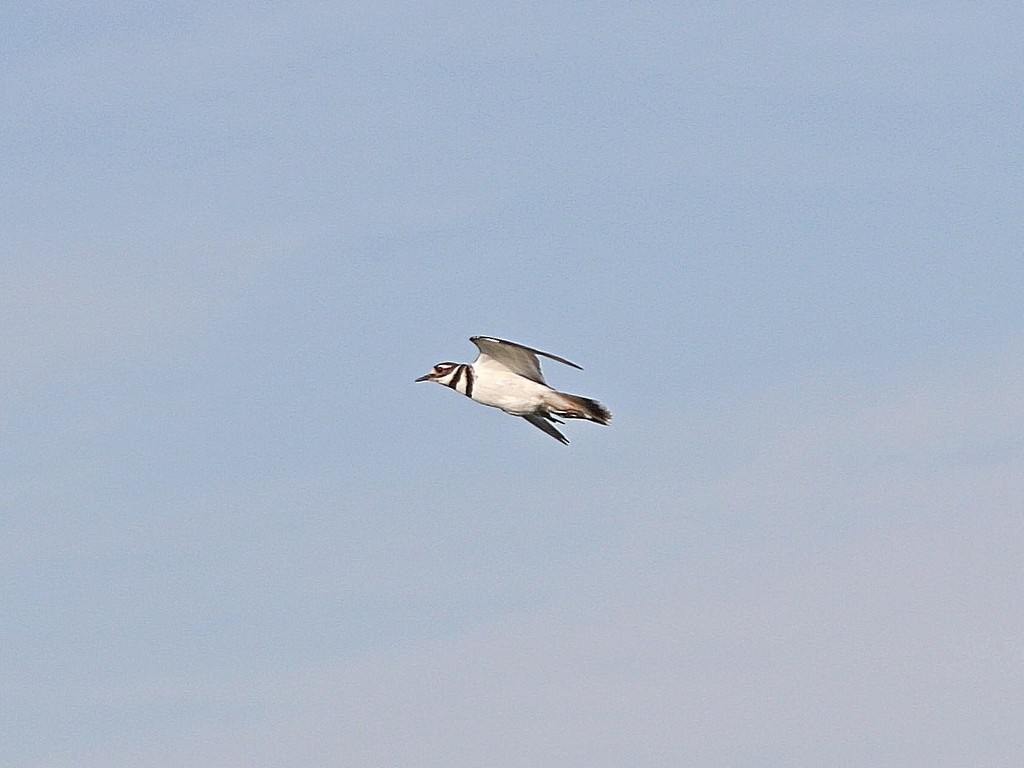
(509, 392)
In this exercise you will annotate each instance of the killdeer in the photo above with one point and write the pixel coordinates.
(507, 375)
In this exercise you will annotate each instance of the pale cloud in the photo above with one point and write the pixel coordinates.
(891, 650)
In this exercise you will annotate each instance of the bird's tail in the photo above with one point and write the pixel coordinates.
(576, 407)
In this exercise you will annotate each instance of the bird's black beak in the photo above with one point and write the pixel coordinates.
(425, 377)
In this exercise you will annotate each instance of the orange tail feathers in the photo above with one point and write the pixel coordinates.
(576, 407)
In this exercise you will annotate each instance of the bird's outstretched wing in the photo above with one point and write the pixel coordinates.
(515, 357)
(541, 423)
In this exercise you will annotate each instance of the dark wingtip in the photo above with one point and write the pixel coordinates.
(542, 423)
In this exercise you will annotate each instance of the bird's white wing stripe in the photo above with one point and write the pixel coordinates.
(503, 343)
(517, 358)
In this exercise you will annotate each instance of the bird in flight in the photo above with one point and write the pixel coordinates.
(507, 375)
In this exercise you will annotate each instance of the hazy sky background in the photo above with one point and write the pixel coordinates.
(786, 243)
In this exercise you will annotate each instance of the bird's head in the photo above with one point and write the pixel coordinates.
(439, 372)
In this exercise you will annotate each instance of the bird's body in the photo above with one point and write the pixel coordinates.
(507, 376)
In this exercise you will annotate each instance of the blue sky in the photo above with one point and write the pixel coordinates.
(785, 244)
